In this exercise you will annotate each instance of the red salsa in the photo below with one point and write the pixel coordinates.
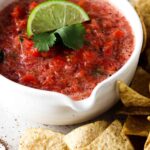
(109, 43)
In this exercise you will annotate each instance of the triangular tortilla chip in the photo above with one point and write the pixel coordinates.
(111, 139)
(131, 98)
(134, 111)
(83, 136)
(40, 139)
(141, 82)
(137, 125)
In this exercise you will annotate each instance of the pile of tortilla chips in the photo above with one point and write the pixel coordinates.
(94, 136)
(136, 106)
(136, 98)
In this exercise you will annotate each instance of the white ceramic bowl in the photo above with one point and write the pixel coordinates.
(58, 109)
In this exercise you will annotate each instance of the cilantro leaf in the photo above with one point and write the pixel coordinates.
(44, 41)
(72, 36)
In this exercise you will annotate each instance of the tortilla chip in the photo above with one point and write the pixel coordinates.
(131, 98)
(39, 139)
(141, 82)
(134, 111)
(147, 144)
(111, 139)
(83, 136)
(137, 125)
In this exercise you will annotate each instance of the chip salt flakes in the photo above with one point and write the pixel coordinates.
(137, 125)
(84, 135)
(40, 139)
(111, 139)
(131, 98)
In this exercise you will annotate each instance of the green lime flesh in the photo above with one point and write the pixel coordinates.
(51, 15)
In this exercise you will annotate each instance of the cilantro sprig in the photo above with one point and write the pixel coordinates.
(72, 37)
(44, 41)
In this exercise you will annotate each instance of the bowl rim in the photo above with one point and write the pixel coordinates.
(109, 79)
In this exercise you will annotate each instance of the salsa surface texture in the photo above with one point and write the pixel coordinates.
(109, 44)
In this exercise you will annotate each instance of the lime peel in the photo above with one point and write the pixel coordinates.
(51, 15)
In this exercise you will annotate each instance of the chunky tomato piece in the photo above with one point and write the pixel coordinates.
(81, 74)
(81, 2)
(17, 12)
(94, 24)
(29, 48)
(21, 24)
(118, 34)
(28, 78)
(17, 41)
(32, 5)
(89, 58)
(51, 53)
(108, 49)
(32, 52)
(58, 62)
(27, 43)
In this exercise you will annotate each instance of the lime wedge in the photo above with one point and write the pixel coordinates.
(52, 15)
